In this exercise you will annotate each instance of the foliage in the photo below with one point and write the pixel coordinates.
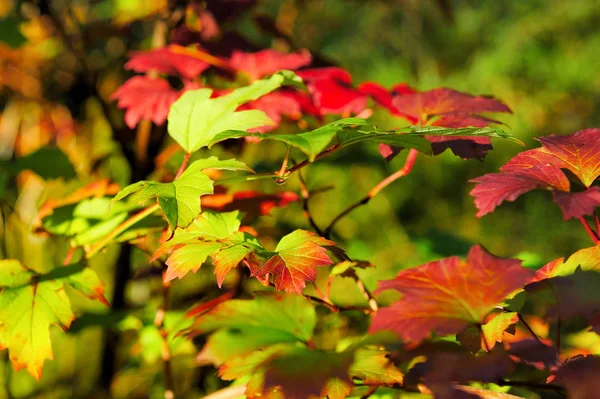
(214, 287)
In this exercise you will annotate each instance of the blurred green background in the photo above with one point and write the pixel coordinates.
(540, 57)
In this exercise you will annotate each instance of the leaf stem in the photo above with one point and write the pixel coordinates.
(593, 235)
(184, 164)
(405, 170)
(319, 156)
(284, 164)
(522, 320)
(122, 227)
(368, 296)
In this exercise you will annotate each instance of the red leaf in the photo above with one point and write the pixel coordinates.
(578, 152)
(441, 107)
(252, 203)
(276, 105)
(267, 62)
(332, 91)
(166, 61)
(445, 296)
(445, 102)
(541, 168)
(576, 205)
(295, 260)
(146, 98)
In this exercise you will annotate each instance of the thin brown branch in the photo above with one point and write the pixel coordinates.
(533, 334)
(305, 197)
(405, 170)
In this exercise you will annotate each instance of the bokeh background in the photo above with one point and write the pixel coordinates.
(540, 57)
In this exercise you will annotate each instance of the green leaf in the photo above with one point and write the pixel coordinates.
(311, 143)
(374, 368)
(47, 162)
(246, 325)
(30, 303)
(206, 236)
(297, 371)
(351, 131)
(195, 118)
(180, 200)
(10, 32)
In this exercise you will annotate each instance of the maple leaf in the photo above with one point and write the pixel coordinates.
(578, 152)
(541, 168)
(295, 260)
(491, 332)
(212, 235)
(574, 295)
(243, 326)
(97, 189)
(252, 203)
(301, 373)
(266, 62)
(445, 296)
(442, 107)
(332, 92)
(275, 105)
(579, 375)
(196, 118)
(584, 259)
(373, 367)
(533, 352)
(442, 374)
(180, 199)
(147, 98)
(167, 61)
(30, 303)
(446, 103)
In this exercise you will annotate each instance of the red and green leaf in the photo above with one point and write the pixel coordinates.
(446, 296)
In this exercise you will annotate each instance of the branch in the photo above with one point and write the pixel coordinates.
(305, 196)
(405, 170)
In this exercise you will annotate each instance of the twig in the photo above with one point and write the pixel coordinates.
(405, 170)
(122, 227)
(159, 323)
(593, 235)
(522, 320)
(305, 196)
